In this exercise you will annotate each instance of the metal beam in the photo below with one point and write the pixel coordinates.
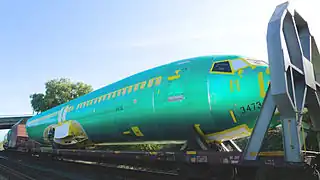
(291, 50)
(6, 122)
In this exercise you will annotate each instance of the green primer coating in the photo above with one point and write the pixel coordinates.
(166, 111)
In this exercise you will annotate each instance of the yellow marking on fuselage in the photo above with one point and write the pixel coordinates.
(261, 84)
(240, 71)
(236, 82)
(231, 85)
(175, 76)
(268, 71)
(126, 132)
(137, 131)
(212, 137)
(233, 116)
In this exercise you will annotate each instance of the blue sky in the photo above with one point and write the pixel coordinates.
(100, 42)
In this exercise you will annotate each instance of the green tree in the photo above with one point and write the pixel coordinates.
(58, 91)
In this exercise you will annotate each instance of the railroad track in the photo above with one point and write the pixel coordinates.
(10, 173)
(38, 168)
(131, 170)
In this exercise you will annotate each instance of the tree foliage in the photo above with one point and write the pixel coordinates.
(58, 91)
(273, 140)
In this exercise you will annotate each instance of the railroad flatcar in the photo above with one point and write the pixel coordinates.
(16, 137)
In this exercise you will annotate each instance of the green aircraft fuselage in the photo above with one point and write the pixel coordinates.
(220, 95)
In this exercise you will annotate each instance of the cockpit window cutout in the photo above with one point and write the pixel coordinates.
(223, 66)
(238, 64)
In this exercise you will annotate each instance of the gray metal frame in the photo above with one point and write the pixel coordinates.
(295, 69)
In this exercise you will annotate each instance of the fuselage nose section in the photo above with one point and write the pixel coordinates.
(236, 97)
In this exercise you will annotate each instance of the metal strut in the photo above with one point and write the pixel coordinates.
(294, 75)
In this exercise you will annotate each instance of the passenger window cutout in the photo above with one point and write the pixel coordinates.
(223, 67)
(238, 64)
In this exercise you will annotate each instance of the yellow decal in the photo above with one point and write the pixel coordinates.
(236, 82)
(231, 86)
(126, 132)
(137, 131)
(261, 85)
(233, 116)
(176, 76)
(268, 71)
(238, 131)
(240, 71)
(191, 152)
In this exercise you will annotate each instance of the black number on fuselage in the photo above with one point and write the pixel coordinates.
(120, 108)
(243, 109)
(259, 104)
(251, 107)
